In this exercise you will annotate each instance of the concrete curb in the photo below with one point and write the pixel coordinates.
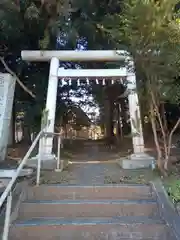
(125, 220)
(94, 162)
(166, 208)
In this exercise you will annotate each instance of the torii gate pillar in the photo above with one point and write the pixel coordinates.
(51, 108)
(139, 158)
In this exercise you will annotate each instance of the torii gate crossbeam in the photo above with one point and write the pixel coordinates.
(89, 73)
(75, 56)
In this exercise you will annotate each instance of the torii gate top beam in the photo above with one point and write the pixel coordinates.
(89, 55)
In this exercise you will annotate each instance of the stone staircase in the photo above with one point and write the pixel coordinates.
(106, 212)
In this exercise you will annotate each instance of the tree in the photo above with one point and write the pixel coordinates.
(33, 24)
(151, 33)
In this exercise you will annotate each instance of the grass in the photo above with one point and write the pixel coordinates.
(172, 185)
(53, 177)
(140, 176)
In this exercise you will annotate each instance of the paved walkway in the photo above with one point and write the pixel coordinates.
(86, 170)
(92, 173)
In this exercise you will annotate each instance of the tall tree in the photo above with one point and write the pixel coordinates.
(62, 24)
(151, 33)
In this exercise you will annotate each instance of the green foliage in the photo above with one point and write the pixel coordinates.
(32, 24)
(174, 190)
(32, 12)
(10, 22)
(151, 33)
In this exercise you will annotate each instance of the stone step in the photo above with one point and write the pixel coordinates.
(86, 208)
(59, 192)
(91, 229)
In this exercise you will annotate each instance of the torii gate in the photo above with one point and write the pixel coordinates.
(103, 55)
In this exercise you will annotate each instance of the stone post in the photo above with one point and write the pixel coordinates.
(139, 159)
(134, 110)
(7, 87)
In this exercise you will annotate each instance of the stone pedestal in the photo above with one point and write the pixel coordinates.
(48, 162)
(8, 173)
(137, 161)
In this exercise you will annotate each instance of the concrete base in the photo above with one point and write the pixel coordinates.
(48, 162)
(137, 161)
(45, 157)
(8, 173)
(58, 170)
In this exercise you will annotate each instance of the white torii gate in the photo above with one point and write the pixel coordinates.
(55, 73)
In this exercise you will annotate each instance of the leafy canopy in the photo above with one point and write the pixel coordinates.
(150, 31)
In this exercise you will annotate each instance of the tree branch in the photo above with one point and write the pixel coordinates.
(171, 134)
(153, 123)
(17, 79)
(160, 122)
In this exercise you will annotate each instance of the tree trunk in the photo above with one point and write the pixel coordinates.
(164, 117)
(109, 121)
(11, 138)
(125, 126)
(13, 122)
(158, 149)
(160, 163)
(26, 134)
(118, 125)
